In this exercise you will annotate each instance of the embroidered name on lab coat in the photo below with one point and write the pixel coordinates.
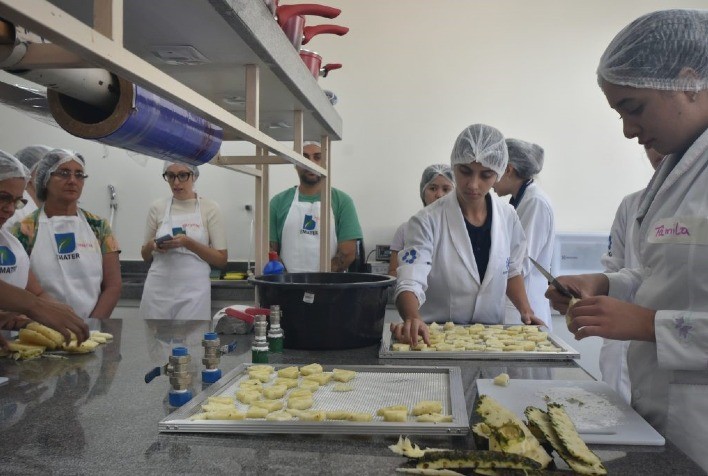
(680, 230)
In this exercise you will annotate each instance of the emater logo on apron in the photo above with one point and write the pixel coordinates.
(8, 261)
(66, 246)
(309, 226)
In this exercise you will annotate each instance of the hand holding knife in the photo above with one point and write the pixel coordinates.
(553, 281)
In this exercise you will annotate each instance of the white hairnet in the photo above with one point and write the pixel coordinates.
(656, 50)
(11, 168)
(430, 173)
(192, 168)
(483, 144)
(311, 142)
(525, 157)
(50, 163)
(31, 155)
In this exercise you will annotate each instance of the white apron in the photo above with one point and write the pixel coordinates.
(300, 244)
(68, 262)
(178, 285)
(14, 262)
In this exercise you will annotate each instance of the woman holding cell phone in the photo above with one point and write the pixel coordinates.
(184, 238)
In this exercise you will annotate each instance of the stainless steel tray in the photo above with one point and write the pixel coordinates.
(375, 386)
(566, 352)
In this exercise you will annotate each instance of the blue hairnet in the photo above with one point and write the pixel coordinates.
(483, 144)
(656, 50)
(192, 168)
(430, 173)
(11, 168)
(525, 157)
(31, 155)
(49, 163)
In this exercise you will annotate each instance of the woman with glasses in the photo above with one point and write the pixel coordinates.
(72, 252)
(21, 293)
(184, 238)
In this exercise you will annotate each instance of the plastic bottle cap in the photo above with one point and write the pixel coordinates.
(180, 351)
(272, 255)
(211, 336)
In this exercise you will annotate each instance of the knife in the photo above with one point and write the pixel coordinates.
(552, 280)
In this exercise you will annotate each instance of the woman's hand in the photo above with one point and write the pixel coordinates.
(611, 318)
(529, 318)
(178, 241)
(580, 285)
(11, 321)
(408, 331)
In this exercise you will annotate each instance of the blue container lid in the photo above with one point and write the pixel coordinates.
(211, 376)
(211, 336)
(177, 398)
(180, 351)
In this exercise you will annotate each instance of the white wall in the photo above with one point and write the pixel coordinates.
(415, 74)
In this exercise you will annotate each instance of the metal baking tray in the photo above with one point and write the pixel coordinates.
(566, 352)
(374, 387)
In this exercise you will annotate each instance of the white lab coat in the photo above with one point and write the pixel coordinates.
(670, 377)
(437, 263)
(620, 254)
(536, 216)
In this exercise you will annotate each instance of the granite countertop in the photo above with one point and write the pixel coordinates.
(94, 414)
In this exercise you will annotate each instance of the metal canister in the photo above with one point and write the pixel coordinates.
(275, 333)
(259, 350)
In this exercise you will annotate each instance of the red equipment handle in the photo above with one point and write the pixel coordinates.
(285, 12)
(309, 31)
(324, 71)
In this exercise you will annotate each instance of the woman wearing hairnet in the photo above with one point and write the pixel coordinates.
(466, 251)
(436, 182)
(72, 252)
(30, 157)
(536, 216)
(15, 273)
(655, 74)
(178, 284)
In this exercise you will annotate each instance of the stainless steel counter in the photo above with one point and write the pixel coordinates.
(93, 414)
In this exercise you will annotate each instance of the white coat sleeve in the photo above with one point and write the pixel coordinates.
(614, 260)
(415, 259)
(537, 224)
(518, 256)
(681, 338)
(398, 240)
(624, 283)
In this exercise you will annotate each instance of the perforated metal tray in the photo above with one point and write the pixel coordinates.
(374, 387)
(566, 352)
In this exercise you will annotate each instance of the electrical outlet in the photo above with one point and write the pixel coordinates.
(383, 252)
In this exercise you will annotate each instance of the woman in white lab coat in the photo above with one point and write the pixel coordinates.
(178, 285)
(620, 254)
(655, 74)
(15, 264)
(466, 251)
(72, 252)
(436, 182)
(536, 215)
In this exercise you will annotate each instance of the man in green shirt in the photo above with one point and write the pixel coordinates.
(295, 222)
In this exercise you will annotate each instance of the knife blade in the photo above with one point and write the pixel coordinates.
(552, 280)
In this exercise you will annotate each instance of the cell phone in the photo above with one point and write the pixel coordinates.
(163, 238)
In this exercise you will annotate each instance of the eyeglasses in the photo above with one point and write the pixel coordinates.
(181, 177)
(64, 174)
(7, 199)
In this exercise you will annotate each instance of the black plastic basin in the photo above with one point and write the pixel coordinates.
(327, 311)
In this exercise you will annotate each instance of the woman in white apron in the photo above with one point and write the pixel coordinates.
(654, 74)
(466, 251)
(536, 216)
(184, 237)
(30, 157)
(15, 264)
(72, 252)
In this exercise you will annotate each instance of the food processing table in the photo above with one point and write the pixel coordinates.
(94, 414)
